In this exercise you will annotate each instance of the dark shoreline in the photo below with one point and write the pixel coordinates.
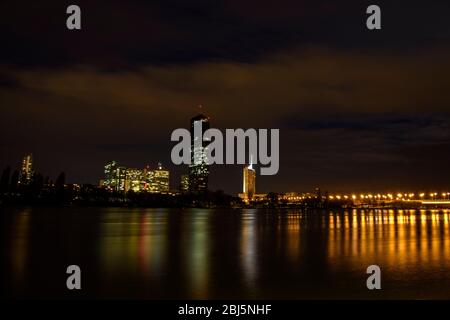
(293, 207)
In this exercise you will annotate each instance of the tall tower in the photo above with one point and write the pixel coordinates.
(198, 169)
(26, 169)
(115, 176)
(110, 172)
(249, 182)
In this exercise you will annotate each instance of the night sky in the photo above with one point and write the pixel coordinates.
(357, 109)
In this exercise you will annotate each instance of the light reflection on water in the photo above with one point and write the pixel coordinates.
(403, 239)
(248, 253)
(195, 250)
(20, 245)
(200, 254)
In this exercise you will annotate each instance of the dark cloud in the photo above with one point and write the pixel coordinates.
(123, 34)
(9, 82)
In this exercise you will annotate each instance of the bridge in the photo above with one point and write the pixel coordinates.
(434, 202)
(429, 202)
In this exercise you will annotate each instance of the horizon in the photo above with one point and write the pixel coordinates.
(313, 189)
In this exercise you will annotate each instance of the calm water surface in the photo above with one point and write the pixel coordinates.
(205, 254)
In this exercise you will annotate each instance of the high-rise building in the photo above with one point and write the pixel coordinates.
(121, 176)
(198, 169)
(115, 176)
(133, 178)
(110, 174)
(249, 182)
(159, 180)
(26, 169)
(184, 186)
(145, 178)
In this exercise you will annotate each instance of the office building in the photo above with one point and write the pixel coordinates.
(159, 180)
(184, 185)
(198, 169)
(26, 169)
(115, 176)
(249, 182)
(133, 178)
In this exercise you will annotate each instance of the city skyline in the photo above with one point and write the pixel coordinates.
(117, 177)
(234, 171)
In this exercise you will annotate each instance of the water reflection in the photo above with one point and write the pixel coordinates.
(396, 239)
(200, 254)
(133, 243)
(119, 243)
(152, 242)
(20, 245)
(196, 253)
(248, 253)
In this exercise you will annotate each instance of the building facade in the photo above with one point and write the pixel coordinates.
(184, 185)
(119, 178)
(159, 180)
(249, 183)
(109, 174)
(133, 178)
(26, 169)
(198, 169)
(115, 176)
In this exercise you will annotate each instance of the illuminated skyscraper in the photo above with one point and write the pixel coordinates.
(115, 176)
(198, 169)
(133, 178)
(184, 186)
(159, 180)
(26, 170)
(121, 176)
(145, 178)
(110, 174)
(249, 182)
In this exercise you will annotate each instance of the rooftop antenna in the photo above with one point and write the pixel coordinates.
(200, 110)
